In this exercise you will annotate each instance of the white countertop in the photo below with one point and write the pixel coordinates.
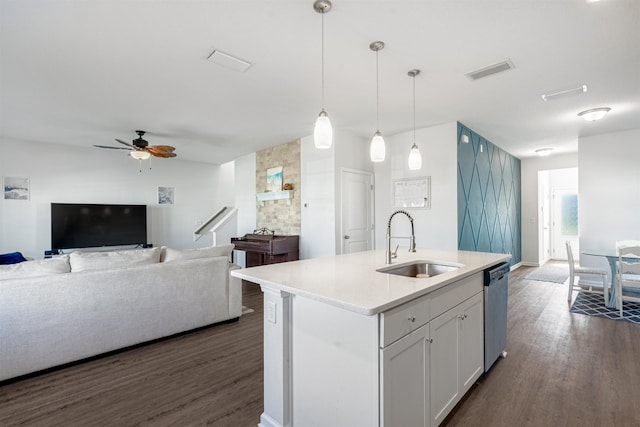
(351, 281)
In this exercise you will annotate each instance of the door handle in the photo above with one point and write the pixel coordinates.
(347, 237)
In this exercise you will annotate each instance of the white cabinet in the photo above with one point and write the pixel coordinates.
(456, 354)
(471, 345)
(432, 351)
(404, 380)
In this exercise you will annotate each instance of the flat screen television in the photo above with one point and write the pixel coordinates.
(92, 225)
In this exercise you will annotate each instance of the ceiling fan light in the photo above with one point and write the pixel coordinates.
(140, 155)
(415, 158)
(594, 114)
(323, 132)
(377, 149)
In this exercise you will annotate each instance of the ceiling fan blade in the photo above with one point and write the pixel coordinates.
(162, 148)
(126, 143)
(163, 154)
(111, 148)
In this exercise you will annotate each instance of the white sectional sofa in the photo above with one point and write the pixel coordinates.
(65, 309)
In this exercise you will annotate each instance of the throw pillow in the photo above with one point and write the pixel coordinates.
(83, 261)
(12, 258)
(40, 267)
(210, 252)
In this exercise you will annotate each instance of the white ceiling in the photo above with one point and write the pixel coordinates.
(86, 72)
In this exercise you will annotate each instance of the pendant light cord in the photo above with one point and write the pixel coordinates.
(414, 109)
(377, 95)
(322, 49)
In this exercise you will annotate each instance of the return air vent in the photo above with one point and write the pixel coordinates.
(229, 61)
(490, 70)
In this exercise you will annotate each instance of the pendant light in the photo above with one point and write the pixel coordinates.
(415, 159)
(322, 131)
(377, 149)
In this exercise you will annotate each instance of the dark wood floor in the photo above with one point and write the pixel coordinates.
(562, 369)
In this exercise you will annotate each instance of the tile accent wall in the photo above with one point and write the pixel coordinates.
(278, 215)
(489, 197)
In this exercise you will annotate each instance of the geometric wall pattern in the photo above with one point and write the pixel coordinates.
(489, 197)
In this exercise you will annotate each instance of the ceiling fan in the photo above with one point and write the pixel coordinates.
(140, 148)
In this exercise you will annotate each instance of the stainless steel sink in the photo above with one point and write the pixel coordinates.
(420, 269)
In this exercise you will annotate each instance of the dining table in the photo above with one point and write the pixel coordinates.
(612, 257)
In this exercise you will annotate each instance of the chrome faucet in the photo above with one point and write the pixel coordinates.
(412, 239)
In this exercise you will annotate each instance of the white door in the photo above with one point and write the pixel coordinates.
(356, 222)
(443, 359)
(471, 344)
(404, 388)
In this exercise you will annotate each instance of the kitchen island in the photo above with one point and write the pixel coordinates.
(347, 345)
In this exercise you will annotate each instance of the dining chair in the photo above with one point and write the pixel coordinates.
(628, 272)
(577, 272)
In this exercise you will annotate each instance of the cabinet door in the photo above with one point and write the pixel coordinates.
(444, 364)
(404, 387)
(471, 345)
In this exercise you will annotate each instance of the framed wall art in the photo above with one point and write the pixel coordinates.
(16, 188)
(412, 193)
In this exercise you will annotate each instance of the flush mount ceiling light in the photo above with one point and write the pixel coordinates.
(229, 61)
(322, 131)
(594, 114)
(564, 93)
(490, 70)
(377, 150)
(544, 151)
(415, 158)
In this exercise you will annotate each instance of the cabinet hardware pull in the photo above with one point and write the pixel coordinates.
(412, 319)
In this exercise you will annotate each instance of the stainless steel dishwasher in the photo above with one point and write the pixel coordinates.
(496, 290)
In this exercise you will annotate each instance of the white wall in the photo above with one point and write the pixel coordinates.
(609, 186)
(245, 198)
(318, 191)
(532, 200)
(436, 227)
(61, 173)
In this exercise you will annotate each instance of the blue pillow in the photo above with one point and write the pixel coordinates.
(12, 258)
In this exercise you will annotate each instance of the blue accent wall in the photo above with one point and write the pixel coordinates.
(489, 197)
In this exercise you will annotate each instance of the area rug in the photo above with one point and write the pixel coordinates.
(550, 273)
(591, 304)
(247, 310)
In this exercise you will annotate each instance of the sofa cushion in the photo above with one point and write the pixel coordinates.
(209, 252)
(12, 258)
(83, 261)
(40, 267)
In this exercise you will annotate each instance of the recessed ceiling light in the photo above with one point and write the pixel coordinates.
(229, 61)
(594, 114)
(564, 93)
(544, 151)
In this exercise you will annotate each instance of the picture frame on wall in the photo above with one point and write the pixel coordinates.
(165, 195)
(16, 188)
(412, 193)
(274, 179)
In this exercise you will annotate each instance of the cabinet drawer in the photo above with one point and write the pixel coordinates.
(451, 295)
(402, 320)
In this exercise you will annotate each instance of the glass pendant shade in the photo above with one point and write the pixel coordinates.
(323, 132)
(377, 149)
(415, 159)
(140, 155)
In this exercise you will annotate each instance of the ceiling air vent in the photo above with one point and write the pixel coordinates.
(490, 70)
(229, 61)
